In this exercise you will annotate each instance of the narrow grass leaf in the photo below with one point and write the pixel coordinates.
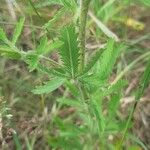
(144, 82)
(17, 141)
(103, 27)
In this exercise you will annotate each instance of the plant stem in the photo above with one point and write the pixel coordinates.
(84, 5)
(25, 25)
(127, 124)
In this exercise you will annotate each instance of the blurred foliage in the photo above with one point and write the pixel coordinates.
(42, 36)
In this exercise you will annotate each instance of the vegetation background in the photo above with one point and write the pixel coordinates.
(57, 120)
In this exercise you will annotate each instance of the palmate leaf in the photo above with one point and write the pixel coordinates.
(49, 86)
(69, 51)
(108, 59)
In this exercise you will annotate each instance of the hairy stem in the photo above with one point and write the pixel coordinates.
(84, 5)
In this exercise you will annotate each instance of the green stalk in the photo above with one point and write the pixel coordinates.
(144, 82)
(84, 5)
(127, 124)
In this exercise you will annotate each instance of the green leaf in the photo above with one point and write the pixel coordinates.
(136, 139)
(108, 59)
(18, 30)
(42, 46)
(118, 85)
(59, 72)
(3, 36)
(70, 5)
(10, 53)
(17, 141)
(55, 18)
(69, 102)
(48, 3)
(69, 51)
(32, 60)
(93, 61)
(144, 82)
(115, 88)
(113, 105)
(72, 88)
(97, 111)
(93, 80)
(49, 86)
(52, 46)
(45, 48)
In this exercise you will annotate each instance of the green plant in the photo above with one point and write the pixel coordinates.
(95, 99)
